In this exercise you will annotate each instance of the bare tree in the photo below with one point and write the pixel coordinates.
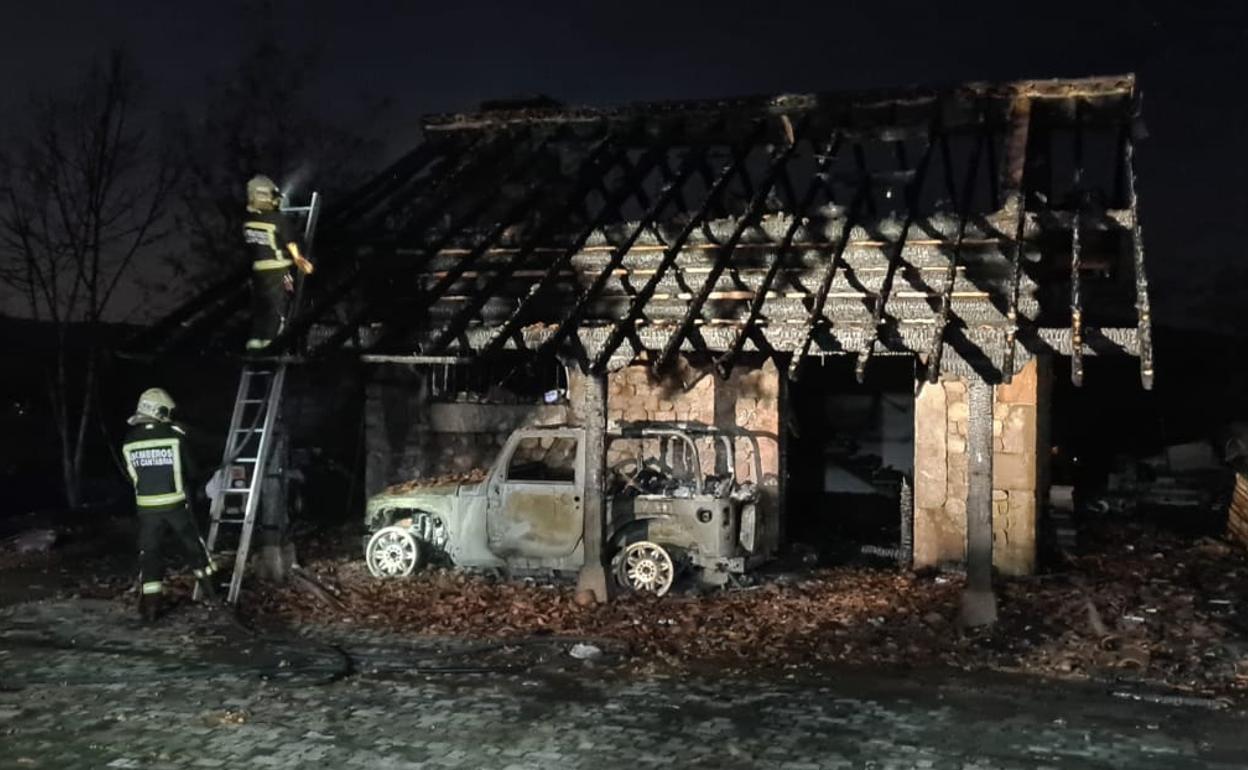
(81, 197)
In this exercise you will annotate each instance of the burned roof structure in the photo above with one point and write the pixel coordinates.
(973, 226)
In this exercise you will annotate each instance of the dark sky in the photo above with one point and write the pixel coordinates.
(1190, 58)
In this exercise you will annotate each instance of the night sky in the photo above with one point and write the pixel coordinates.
(1189, 56)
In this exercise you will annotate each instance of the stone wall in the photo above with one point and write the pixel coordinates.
(748, 401)
(1020, 470)
(407, 436)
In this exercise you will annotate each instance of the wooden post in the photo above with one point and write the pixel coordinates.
(979, 604)
(593, 416)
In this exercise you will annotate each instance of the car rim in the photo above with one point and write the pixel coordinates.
(647, 567)
(392, 552)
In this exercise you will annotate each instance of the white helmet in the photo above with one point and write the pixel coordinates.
(155, 405)
(262, 193)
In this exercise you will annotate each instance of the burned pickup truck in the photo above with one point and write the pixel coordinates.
(526, 514)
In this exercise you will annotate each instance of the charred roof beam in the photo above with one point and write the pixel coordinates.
(670, 194)
(439, 193)
(626, 325)
(651, 158)
(817, 319)
(825, 160)
(1144, 321)
(1076, 263)
(778, 159)
(517, 214)
(913, 191)
(484, 200)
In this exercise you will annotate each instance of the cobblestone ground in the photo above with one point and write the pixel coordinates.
(84, 686)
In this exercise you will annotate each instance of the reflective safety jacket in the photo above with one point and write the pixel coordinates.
(266, 234)
(157, 458)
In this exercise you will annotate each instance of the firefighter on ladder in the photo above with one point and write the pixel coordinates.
(274, 248)
(159, 465)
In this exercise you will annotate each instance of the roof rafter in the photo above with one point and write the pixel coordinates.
(913, 190)
(625, 325)
(825, 160)
(779, 157)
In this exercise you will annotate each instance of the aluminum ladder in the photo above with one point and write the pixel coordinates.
(247, 447)
(257, 409)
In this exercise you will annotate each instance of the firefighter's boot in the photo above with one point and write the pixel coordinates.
(149, 607)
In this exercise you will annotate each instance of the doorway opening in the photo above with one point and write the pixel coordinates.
(851, 458)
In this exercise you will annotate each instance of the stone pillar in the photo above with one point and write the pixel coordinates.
(979, 605)
(1019, 470)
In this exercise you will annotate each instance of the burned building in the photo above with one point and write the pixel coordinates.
(894, 269)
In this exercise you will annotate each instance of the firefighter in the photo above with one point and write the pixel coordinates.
(274, 249)
(160, 466)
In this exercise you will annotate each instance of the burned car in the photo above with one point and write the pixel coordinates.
(526, 513)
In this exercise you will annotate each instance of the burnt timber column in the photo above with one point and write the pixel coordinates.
(592, 415)
(979, 605)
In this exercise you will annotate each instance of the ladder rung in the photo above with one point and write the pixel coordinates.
(249, 430)
(251, 401)
(238, 491)
(251, 460)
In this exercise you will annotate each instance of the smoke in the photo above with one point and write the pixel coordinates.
(293, 183)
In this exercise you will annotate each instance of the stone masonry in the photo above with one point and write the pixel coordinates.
(1020, 470)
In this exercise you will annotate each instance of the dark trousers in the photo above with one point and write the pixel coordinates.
(268, 303)
(155, 525)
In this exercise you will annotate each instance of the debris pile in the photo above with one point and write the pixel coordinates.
(1146, 607)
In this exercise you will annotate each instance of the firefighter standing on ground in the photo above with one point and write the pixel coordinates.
(160, 465)
(269, 239)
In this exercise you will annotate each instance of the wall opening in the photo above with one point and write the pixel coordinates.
(850, 456)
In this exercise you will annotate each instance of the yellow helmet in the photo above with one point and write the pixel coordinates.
(155, 405)
(262, 193)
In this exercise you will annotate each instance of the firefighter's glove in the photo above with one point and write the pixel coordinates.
(288, 283)
(304, 265)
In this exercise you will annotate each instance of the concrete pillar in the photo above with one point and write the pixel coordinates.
(979, 604)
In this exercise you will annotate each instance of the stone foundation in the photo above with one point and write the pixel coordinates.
(1020, 470)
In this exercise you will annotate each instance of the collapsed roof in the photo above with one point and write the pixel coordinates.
(977, 225)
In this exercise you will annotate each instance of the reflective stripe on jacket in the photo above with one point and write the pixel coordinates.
(155, 458)
(266, 234)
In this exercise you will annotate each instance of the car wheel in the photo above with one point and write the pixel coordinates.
(393, 552)
(645, 567)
